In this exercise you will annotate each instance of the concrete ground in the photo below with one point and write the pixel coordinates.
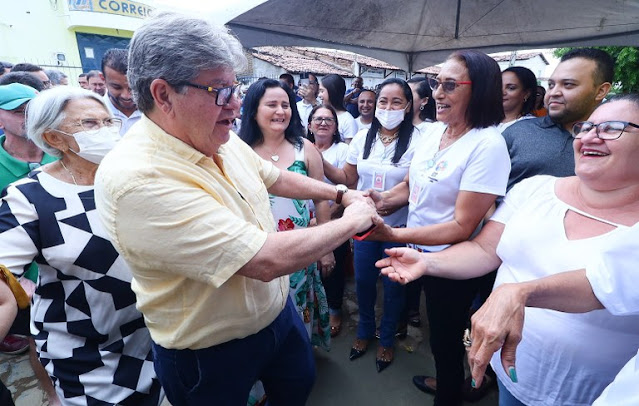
(339, 380)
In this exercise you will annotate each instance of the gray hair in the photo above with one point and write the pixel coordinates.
(176, 48)
(46, 111)
(55, 76)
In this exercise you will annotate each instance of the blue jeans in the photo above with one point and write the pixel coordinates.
(279, 355)
(366, 253)
(506, 398)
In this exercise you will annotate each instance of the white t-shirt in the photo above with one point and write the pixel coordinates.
(347, 125)
(563, 358)
(477, 162)
(378, 171)
(424, 126)
(336, 156)
(304, 110)
(614, 278)
(361, 126)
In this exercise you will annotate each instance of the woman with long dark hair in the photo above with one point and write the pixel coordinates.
(379, 158)
(331, 91)
(271, 126)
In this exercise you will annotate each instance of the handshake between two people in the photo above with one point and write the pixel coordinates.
(359, 206)
(371, 207)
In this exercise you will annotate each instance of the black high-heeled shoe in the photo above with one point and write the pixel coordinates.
(358, 349)
(384, 358)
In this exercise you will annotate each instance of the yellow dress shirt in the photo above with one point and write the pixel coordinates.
(185, 223)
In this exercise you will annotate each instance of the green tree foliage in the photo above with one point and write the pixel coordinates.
(626, 67)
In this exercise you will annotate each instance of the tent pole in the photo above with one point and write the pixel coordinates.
(457, 19)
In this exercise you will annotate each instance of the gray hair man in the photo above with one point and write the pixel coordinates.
(57, 78)
(186, 203)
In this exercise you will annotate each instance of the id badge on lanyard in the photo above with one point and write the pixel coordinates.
(379, 180)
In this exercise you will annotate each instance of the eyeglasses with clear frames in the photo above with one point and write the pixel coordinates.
(93, 125)
(448, 86)
(223, 94)
(320, 120)
(606, 130)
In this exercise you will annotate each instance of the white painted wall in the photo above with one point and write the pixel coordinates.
(536, 65)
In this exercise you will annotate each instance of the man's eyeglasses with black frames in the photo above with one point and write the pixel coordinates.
(222, 94)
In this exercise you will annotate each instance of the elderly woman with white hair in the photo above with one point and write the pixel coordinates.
(89, 336)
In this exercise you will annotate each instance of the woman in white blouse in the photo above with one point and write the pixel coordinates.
(378, 159)
(547, 226)
(460, 167)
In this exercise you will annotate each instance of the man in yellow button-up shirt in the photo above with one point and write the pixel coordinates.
(186, 203)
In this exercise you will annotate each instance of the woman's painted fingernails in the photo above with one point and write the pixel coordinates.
(513, 374)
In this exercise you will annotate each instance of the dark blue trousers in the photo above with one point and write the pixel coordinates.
(279, 355)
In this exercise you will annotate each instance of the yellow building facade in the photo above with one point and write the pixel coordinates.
(68, 35)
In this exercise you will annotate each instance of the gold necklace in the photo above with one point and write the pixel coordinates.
(70, 173)
(387, 139)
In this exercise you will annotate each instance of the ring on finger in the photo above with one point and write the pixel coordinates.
(466, 340)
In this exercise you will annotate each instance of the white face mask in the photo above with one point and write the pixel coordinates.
(94, 146)
(390, 119)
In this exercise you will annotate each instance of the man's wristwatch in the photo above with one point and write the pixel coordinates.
(341, 189)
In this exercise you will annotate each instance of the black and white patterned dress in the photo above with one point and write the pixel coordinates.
(90, 337)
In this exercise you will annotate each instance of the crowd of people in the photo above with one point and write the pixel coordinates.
(148, 251)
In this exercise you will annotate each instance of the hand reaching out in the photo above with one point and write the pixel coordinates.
(402, 265)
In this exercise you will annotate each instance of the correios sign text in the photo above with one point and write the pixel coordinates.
(118, 7)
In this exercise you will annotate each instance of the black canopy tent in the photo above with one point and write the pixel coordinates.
(413, 34)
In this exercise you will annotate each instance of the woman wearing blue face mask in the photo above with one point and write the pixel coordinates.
(378, 158)
(89, 336)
